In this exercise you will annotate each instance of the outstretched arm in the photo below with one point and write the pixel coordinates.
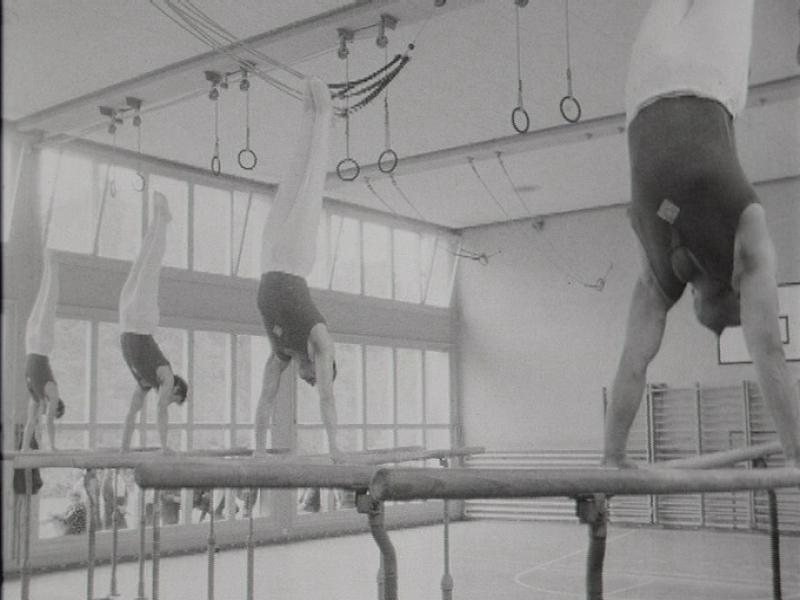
(266, 402)
(31, 424)
(758, 291)
(323, 349)
(137, 402)
(646, 321)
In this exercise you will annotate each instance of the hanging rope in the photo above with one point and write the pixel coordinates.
(404, 197)
(109, 187)
(199, 25)
(138, 180)
(520, 120)
(247, 158)
(569, 101)
(216, 163)
(348, 162)
(471, 162)
(387, 161)
(244, 233)
(598, 285)
(380, 198)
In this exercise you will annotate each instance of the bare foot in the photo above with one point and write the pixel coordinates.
(161, 206)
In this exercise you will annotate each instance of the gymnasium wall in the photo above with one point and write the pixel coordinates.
(537, 346)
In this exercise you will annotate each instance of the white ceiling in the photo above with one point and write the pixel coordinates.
(457, 91)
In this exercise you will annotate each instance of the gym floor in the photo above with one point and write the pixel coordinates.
(491, 560)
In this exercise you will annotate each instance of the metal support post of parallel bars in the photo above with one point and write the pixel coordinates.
(774, 535)
(25, 568)
(156, 558)
(593, 510)
(114, 539)
(251, 544)
(142, 545)
(212, 548)
(447, 578)
(387, 573)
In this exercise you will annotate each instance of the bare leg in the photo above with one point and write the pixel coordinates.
(139, 297)
(31, 424)
(289, 239)
(266, 402)
(41, 325)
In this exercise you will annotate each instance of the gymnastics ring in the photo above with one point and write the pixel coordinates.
(246, 152)
(574, 101)
(389, 157)
(514, 114)
(216, 166)
(138, 182)
(341, 166)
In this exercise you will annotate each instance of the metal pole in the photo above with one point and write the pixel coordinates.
(211, 548)
(25, 570)
(91, 524)
(593, 510)
(387, 585)
(775, 545)
(142, 544)
(447, 579)
(250, 545)
(156, 540)
(114, 539)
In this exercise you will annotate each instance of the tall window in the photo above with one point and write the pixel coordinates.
(212, 230)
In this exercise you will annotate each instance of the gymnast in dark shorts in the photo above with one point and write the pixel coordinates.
(296, 329)
(696, 216)
(143, 357)
(688, 191)
(288, 312)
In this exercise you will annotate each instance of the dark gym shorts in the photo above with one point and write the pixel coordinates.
(288, 312)
(143, 357)
(37, 375)
(683, 149)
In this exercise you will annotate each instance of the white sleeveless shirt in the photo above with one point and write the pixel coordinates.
(691, 48)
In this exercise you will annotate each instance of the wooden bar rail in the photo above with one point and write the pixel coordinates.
(416, 484)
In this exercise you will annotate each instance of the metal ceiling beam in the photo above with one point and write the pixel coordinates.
(183, 79)
(759, 94)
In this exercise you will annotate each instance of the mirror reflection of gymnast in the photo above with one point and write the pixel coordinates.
(139, 317)
(297, 330)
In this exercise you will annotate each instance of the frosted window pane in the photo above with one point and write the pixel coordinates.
(212, 230)
(121, 227)
(209, 438)
(437, 439)
(210, 387)
(248, 253)
(70, 363)
(251, 355)
(177, 194)
(345, 241)
(409, 386)
(439, 288)
(11, 156)
(348, 385)
(75, 203)
(115, 383)
(377, 261)
(437, 387)
(409, 437)
(407, 279)
(308, 412)
(379, 369)
(380, 438)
